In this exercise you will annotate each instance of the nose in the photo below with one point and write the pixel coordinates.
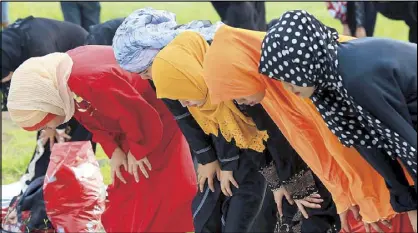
(239, 101)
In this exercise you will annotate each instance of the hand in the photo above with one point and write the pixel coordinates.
(360, 32)
(133, 165)
(311, 202)
(343, 217)
(376, 226)
(227, 178)
(208, 171)
(278, 198)
(346, 30)
(51, 134)
(118, 159)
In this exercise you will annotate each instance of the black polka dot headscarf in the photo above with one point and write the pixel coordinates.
(300, 50)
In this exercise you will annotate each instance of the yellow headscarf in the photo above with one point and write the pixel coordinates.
(178, 74)
(39, 87)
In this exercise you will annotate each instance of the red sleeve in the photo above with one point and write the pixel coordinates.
(105, 140)
(114, 97)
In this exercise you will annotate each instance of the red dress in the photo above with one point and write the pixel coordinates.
(121, 109)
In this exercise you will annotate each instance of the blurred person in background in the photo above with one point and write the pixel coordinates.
(246, 15)
(84, 14)
(358, 18)
(34, 37)
(406, 11)
(4, 14)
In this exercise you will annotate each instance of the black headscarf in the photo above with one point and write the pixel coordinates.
(300, 50)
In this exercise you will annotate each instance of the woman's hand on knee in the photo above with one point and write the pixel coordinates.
(133, 165)
(227, 177)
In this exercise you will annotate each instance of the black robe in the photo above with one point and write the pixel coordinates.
(294, 174)
(381, 76)
(212, 211)
(247, 15)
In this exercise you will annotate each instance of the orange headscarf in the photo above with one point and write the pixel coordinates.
(231, 71)
(177, 73)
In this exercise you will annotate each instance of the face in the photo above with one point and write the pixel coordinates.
(192, 103)
(54, 123)
(252, 99)
(305, 92)
(146, 74)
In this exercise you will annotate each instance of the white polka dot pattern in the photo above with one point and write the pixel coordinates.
(302, 51)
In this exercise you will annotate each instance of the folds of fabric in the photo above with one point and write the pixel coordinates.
(121, 110)
(231, 66)
(161, 203)
(182, 79)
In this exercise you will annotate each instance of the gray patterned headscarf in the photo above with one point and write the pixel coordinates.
(146, 31)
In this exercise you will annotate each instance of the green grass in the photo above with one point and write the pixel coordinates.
(18, 145)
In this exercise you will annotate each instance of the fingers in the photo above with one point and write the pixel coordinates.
(356, 213)
(143, 170)
(51, 141)
(313, 200)
(315, 195)
(147, 163)
(125, 164)
(288, 198)
(210, 183)
(228, 188)
(234, 182)
(376, 227)
(225, 188)
(302, 209)
(135, 172)
(310, 205)
(367, 227)
(130, 166)
(218, 174)
(202, 184)
(66, 136)
(279, 203)
(119, 175)
(387, 224)
(344, 223)
(112, 175)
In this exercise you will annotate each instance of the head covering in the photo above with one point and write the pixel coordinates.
(231, 63)
(182, 79)
(302, 51)
(224, 67)
(38, 87)
(146, 31)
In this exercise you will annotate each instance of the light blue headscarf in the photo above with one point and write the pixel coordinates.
(146, 31)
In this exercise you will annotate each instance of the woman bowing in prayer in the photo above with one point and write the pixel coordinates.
(365, 90)
(135, 129)
(137, 42)
(182, 80)
(231, 72)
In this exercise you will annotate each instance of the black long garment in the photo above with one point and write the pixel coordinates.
(32, 37)
(406, 11)
(294, 174)
(381, 76)
(246, 15)
(212, 211)
(361, 14)
(102, 34)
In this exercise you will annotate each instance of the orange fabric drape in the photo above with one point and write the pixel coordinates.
(231, 71)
